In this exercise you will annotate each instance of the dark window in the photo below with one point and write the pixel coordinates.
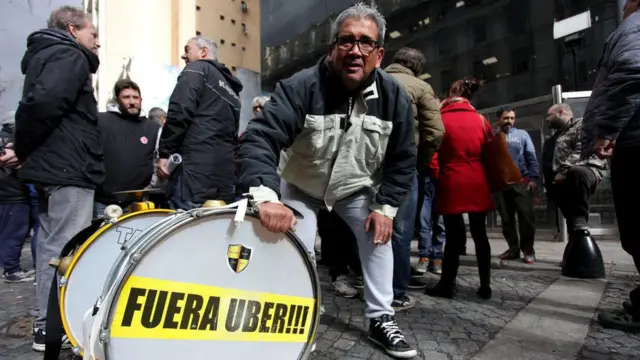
(517, 17)
(520, 60)
(222, 41)
(478, 31)
(445, 43)
(479, 70)
(233, 21)
(233, 44)
(197, 8)
(221, 17)
(198, 33)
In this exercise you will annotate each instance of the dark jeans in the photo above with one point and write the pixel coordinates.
(573, 194)
(14, 230)
(515, 199)
(35, 221)
(338, 244)
(456, 240)
(626, 197)
(431, 232)
(403, 226)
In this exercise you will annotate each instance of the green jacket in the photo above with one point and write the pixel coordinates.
(426, 113)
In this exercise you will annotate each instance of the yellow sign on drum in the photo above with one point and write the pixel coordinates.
(160, 309)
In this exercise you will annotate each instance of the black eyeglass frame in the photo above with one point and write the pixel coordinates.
(351, 41)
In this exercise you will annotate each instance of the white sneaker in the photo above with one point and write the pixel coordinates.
(341, 287)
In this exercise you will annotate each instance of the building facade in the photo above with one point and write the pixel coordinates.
(509, 43)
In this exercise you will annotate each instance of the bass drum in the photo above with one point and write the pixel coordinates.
(84, 279)
(201, 285)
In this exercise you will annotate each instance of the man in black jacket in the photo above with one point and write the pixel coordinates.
(348, 131)
(57, 138)
(129, 143)
(15, 209)
(202, 126)
(611, 129)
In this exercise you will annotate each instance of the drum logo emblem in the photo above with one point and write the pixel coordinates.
(238, 257)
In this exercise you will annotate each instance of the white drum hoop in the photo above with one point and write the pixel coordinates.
(128, 260)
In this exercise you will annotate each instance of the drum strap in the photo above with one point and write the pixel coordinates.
(54, 330)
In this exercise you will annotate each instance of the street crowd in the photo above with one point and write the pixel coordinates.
(370, 156)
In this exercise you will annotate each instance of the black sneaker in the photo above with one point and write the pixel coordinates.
(39, 340)
(403, 303)
(385, 333)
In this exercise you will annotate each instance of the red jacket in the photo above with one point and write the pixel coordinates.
(462, 186)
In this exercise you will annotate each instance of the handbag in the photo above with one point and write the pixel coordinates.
(501, 171)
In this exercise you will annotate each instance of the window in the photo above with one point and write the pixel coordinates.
(233, 21)
(221, 17)
(520, 60)
(445, 43)
(233, 44)
(222, 41)
(446, 79)
(479, 70)
(478, 29)
(516, 17)
(197, 8)
(198, 33)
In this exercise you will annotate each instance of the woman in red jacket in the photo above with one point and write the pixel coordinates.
(462, 187)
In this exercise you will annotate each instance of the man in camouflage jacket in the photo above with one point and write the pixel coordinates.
(570, 181)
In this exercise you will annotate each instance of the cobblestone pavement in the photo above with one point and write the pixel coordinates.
(440, 329)
(607, 344)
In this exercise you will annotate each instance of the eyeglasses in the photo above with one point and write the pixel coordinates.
(366, 44)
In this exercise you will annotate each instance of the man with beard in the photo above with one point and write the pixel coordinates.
(349, 134)
(202, 126)
(570, 181)
(57, 139)
(129, 142)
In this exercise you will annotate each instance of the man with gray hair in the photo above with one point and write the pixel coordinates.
(158, 115)
(57, 138)
(347, 128)
(202, 126)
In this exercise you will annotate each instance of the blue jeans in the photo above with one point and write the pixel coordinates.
(403, 228)
(430, 245)
(35, 221)
(14, 229)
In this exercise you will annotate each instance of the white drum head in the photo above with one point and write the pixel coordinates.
(90, 267)
(209, 288)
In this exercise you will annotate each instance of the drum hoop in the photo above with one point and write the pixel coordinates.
(81, 250)
(185, 218)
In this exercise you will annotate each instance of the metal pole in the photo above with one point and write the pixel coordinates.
(563, 235)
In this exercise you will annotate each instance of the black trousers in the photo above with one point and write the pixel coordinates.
(626, 197)
(339, 247)
(573, 194)
(456, 238)
(511, 201)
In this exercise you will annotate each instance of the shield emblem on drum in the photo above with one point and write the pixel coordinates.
(238, 257)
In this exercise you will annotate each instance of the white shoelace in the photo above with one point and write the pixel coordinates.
(392, 331)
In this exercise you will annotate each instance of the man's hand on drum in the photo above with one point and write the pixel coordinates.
(276, 217)
(162, 171)
(382, 228)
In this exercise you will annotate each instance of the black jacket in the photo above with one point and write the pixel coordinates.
(12, 191)
(129, 145)
(613, 111)
(313, 116)
(202, 126)
(57, 136)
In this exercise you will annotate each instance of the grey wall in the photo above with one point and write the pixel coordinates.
(250, 89)
(282, 20)
(18, 18)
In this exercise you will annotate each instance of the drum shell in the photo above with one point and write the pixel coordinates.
(204, 234)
